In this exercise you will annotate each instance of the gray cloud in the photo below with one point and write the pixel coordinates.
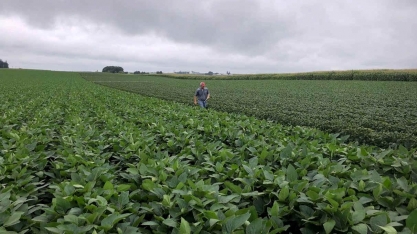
(244, 35)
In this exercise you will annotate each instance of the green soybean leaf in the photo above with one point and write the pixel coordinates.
(148, 185)
(150, 223)
(123, 198)
(170, 222)
(123, 187)
(360, 228)
(292, 174)
(40, 219)
(78, 186)
(286, 152)
(108, 186)
(112, 219)
(377, 191)
(69, 189)
(255, 227)
(329, 225)
(403, 183)
(235, 222)
(210, 214)
(359, 213)
(235, 188)
(184, 227)
(411, 221)
(312, 195)
(13, 219)
(248, 170)
(412, 204)
(213, 221)
(54, 230)
(227, 199)
(377, 221)
(306, 211)
(4, 196)
(389, 229)
(252, 194)
(71, 218)
(283, 194)
(362, 185)
(275, 209)
(269, 176)
(62, 205)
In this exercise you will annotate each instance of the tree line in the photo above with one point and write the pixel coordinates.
(142, 72)
(4, 64)
(113, 69)
(118, 69)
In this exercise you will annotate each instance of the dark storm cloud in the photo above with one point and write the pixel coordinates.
(240, 25)
(248, 35)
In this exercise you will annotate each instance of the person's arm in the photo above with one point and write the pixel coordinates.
(195, 100)
(208, 95)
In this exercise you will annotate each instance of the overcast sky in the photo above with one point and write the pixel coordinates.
(241, 36)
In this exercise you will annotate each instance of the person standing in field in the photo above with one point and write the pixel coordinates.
(201, 96)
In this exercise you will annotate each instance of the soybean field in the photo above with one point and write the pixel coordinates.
(382, 113)
(77, 157)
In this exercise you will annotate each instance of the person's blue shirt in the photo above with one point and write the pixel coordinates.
(202, 94)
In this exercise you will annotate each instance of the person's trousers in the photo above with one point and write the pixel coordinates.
(202, 103)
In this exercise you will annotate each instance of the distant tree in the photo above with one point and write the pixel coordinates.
(210, 73)
(113, 69)
(140, 73)
(3, 64)
(159, 72)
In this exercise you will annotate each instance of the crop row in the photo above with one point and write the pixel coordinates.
(80, 158)
(374, 75)
(377, 113)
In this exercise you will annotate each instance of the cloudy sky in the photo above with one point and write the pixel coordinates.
(241, 36)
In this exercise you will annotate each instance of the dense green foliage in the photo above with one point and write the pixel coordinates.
(381, 75)
(378, 113)
(81, 158)
(113, 69)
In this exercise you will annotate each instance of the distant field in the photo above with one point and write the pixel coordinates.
(381, 75)
(374, 112)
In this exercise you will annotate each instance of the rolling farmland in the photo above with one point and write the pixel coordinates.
(77, 157)
(379, 113)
